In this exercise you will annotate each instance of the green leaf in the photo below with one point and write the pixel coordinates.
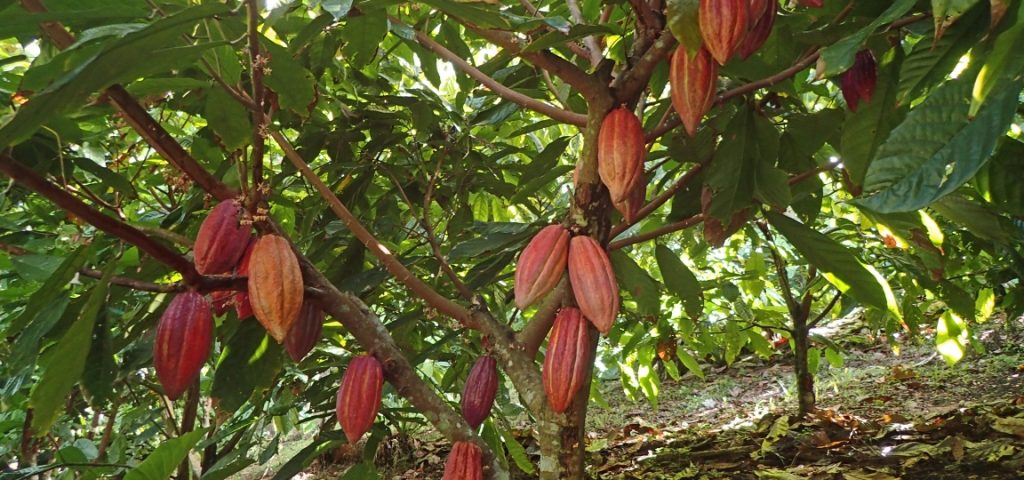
(683, 21)
(16, 22)
(111, 180)
(249, 360)
(556, 38)
(637, 282)
(301, 460)
(161, 463)
(929, 63)
(56, 283)
(680, 280)
(290, 80)
(63, 364)
(690, 363)
(974, 217)
(840, 264)
(364, 34)
(732, 174)
(228, 119)
(838, 57)
(481, 17)
(517, 452)
(867, 128)
(948, 11)
(937, 148)
(951, 337)
(1004, 63)
(999, 181)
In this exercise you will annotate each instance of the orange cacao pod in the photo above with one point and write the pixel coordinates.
(465, 462)
(222, 239)
(541, 264)
(241, 300)
(693, 81)
(182, 343)
(723, 24)
(762, 19)
(620, 152)
(593, 282)
(359, 396)
(275, 285)
(305, 331)
(630, 207)
(567, 358)
(479, 391)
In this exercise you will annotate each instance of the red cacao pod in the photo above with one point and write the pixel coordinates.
(221, 301)
(541, 264)
(465, 462)
(763, 14)
(479, 391)
(182, 343)
(222, 239)
(593, 282)
(275, 285)
(723, 24)
(693, 81)
(359, 396)
(567, 358)
(620, 152)
(858, 83)
(630, 207)
(812, 3)
(243, 308)
(305, 331)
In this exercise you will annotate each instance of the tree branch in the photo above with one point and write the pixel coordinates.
(657, 232)
(660, 200)
(593, 46)
(630, 84)
(828, 308)
(256, 65)
(533, 334)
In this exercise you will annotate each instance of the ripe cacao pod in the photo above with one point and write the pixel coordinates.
(858, 83)
(620, 152)
(812, 3)
(222, 239)
(221, 301)
(465, 462)
(243, 308)
(762, 20)
(305, 331)
(567, 358)
(182, 342)
(723, 24)
(593, 282)
(693, 81)
(630, 207)
(359, 396)
(541, 265)
(479, 391)
(275, 285)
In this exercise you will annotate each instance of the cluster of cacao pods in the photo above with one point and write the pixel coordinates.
(465, 462)
(858, 83)
(359, 396)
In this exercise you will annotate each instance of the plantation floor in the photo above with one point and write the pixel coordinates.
(883, 416)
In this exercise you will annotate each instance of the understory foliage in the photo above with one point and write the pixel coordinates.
(409, 151)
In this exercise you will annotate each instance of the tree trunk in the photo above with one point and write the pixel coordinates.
(563, 447)
(804, 378)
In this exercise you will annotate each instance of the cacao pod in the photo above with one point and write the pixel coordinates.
(479, 391)
(723, 24)
(359, 396)
(243, 308)
(858, 83)
(812, 3)
(620, 152)
(182, 343)
(631, 206)
(567, 359)
(222, 239)
(593, 282)
(221, 301)
(541, 265)
(693, 81)
(763, 14)
(275, 285)
(465, 462)
(305, 331)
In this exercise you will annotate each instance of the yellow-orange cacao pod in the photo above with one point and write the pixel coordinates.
(222, 239)
(182, 343)
(620, 152)
(465, 462)
(541, 264)
(275, 285)
(567, 359)
(693, 81)
(593, 282)
(359, 396)
(723, 24)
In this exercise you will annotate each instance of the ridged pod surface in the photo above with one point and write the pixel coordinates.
(620, 152)
(566, 360)
(359, 396)
(465, 462)
(243, 308)
(762, 19)
(541, 265)
(723, 24)
(221, 301)
(593, 282)
(693, 81)
(305, 331)
(221, 239)
(630, 207)
(858, 83)
(183, 338)
(479, 391)
(275, 285)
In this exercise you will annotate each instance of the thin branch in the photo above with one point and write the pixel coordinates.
(257, 62)
(780, 270)
(593, 46)
(533, 10)
(428, 226)
(660, 200)
(828, 308)
(657, 232)
(630, 84)
(533, 334)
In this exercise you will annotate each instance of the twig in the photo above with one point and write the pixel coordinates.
(257, 63)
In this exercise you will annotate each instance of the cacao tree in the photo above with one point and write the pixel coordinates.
(434, 204)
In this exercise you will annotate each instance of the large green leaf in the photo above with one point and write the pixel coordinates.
(682, 20)
(228, 119)
(732, 175)
(839, 264)
(160, 464)
(1004, 63)
(937, 148)
(866, 129)
(637, 282)
(680, 280)
(948, 11)
(838, 57)
(56, 283)
(1000, 182)
(249, 360)
(929, 63)
(15, 21)
(153, 48)
(470, 13)
(974, 217)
